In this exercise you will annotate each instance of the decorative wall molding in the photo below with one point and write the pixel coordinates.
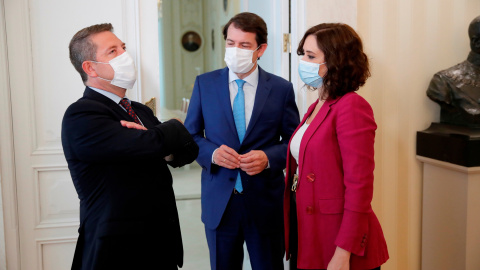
(43, 219)
(450, 166)
(45, 242)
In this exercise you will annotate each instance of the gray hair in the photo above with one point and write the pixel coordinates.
(83, 49)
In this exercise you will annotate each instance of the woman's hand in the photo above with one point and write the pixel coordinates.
(340, 260)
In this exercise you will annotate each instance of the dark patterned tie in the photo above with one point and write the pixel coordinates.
(124, 102)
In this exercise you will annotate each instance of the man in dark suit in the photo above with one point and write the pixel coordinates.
(242, 118)
(117, 153)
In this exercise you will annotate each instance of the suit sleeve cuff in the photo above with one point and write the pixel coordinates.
(213, 154)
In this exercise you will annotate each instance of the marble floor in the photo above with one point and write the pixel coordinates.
(186, 183)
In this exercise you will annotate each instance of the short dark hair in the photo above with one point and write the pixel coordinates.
(347, 64)
(82, 48)
(251, 23)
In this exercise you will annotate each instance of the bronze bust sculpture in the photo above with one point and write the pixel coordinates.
(457, 89)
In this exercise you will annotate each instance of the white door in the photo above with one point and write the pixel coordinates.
(42, 84)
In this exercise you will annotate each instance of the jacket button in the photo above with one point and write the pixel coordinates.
(309, 210)
(311, 177)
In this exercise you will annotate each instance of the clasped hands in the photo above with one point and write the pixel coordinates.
(252, 162)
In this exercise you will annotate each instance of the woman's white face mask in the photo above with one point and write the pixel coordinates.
(239, 60)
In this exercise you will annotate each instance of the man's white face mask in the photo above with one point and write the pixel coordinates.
(239, 60)
(124, 67)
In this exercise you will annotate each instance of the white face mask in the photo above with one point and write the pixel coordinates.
(124, 67)
(239, 60)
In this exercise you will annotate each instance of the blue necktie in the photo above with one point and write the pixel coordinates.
(239, 117)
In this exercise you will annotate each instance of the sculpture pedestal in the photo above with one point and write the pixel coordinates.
(454, 144)
(451, 216)
(451, 197)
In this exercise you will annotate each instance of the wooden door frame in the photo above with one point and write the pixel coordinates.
(298, 27)
(7, 159)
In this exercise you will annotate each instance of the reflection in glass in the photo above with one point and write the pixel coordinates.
(184, 27)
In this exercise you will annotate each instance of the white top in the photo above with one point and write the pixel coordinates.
(296, 140)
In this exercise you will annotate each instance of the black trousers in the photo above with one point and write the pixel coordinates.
(294, 235)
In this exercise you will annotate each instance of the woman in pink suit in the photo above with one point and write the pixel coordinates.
(329, 221)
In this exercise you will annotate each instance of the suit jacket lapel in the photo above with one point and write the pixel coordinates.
(317, 121)
(291, 162)
(223, 93)
(91, 94)
(263, 90)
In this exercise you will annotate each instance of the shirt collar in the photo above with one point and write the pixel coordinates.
(109, 95)
(251, 79)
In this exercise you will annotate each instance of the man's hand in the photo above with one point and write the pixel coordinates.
(253, 162)
(226, 157)
(133, 125)
(179, 120)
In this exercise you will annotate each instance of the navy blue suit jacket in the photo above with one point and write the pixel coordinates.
(128, 215)
(210, 121)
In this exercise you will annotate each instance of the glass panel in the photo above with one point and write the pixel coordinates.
(191, 43)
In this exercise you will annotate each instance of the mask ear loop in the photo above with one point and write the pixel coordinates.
(258, 58)
(98, 62)
(97, 74)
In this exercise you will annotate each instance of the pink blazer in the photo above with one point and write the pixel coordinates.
(335, 187)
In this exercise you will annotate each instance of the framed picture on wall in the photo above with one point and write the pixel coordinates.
(191, 41)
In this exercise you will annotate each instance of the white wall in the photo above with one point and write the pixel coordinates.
(407, 42)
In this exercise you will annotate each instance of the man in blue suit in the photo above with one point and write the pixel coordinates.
(242, 118)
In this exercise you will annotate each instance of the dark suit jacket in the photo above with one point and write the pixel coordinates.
(128, 215)
(210, 121)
